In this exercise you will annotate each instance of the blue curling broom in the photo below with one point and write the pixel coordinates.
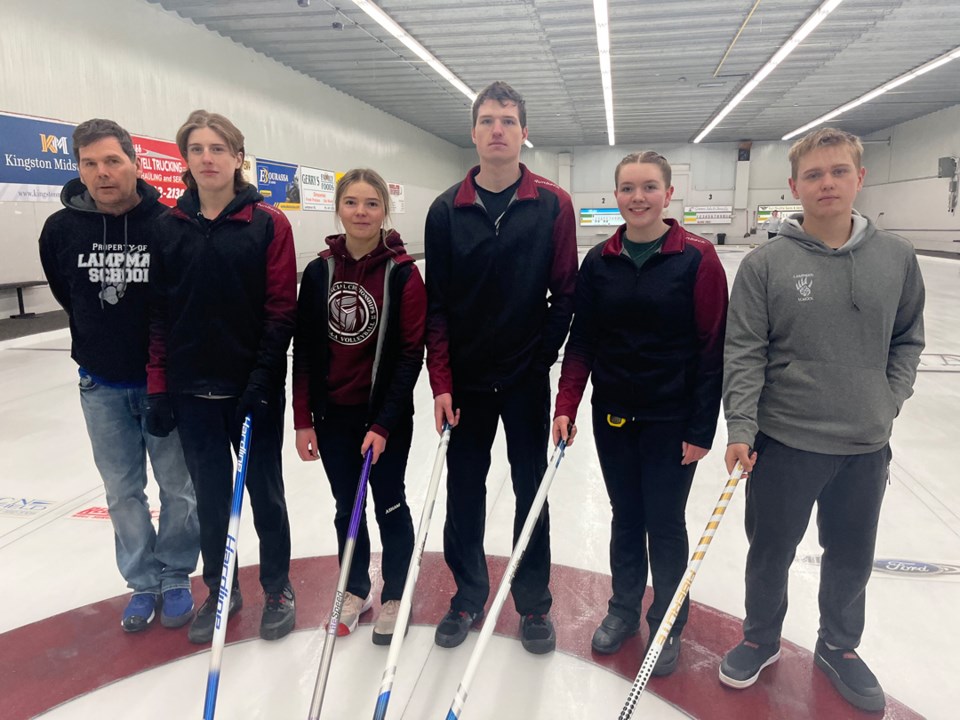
(226, 578)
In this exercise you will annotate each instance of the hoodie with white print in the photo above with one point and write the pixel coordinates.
(822, 344)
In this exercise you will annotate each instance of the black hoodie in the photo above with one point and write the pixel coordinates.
(98, 267)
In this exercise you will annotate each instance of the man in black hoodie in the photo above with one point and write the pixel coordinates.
(96, 256)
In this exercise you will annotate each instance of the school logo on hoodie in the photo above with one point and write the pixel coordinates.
(353, 313)
(804, 285)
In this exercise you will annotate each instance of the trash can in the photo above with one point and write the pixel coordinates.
(721, 238)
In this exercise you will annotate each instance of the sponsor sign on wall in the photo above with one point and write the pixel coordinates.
(317, 188)
(783, 211)
(279, 183)
(162, 167)
(36, 158)
(398, 203)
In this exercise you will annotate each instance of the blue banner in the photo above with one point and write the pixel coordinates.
(279, 183)
(36, 158)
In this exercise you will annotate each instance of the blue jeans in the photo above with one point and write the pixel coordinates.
(150, 561)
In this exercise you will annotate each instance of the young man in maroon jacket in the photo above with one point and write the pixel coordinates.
(501, 261)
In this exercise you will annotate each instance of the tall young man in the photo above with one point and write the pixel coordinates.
(501, 261)
(96, 255)
(824, 336)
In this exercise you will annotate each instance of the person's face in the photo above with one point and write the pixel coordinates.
(827, 182)
(109, 175)
(211, 161)
(642, 194)
(497, 132)
(361, 211)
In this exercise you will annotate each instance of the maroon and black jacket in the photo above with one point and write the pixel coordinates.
(652, 337)
(500, 297)
(223, 298)
(359, 337)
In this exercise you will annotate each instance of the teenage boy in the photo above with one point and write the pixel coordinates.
(96, 256)
(501, 260)
(824, 336)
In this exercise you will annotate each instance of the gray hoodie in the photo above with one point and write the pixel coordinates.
(822, 345)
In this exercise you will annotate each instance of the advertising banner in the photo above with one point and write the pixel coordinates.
(36, 158)
(279, 183)
(317, 188)
(784, 211)
(161, 166)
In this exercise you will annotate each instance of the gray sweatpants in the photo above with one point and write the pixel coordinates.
(781, 491)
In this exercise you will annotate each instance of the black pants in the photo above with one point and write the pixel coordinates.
(525, 411)
(781, 491)
(648, 489)
(208, 429)
(339, 437)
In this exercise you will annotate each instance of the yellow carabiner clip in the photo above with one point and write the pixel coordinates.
(614, 421)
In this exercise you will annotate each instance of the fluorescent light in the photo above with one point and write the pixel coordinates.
(818, 16)
(878, 91)
(391, 26)
(602, 21)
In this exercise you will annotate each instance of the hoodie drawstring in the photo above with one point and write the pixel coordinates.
(853, 281)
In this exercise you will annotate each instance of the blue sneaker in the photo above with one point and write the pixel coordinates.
(139, 612)
(177, 607)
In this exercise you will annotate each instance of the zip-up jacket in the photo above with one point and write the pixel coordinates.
(500, 296)
(359, 338)
(98, 266)
(224, 297)
(651, 337)
(823, 345)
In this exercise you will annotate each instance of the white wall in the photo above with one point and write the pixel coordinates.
(147, 69)
(901, 187)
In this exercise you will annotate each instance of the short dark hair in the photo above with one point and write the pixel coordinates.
(90, 131)
(502, 93)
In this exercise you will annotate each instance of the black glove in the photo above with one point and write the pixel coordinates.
(255, 402)
(159, 415)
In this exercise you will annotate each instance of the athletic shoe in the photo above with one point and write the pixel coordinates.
(850, 676)
(279, 613)
(454, 627)
(608, 638)
(139, 612)
(351, 609)
(668, 658)
(201, 630)
(741, 666)
(177, 607)
(386, 622)
(537, 635)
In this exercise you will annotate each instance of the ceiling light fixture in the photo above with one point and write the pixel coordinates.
(391, 26)
(878, 91)
(809, 25)
(601, 18)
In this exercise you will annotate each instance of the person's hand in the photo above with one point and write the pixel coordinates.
(692, 453)
(739, 452)
(443, 410)
(375, 441)
(307, 444)
(160, 419)
(254, 402)
(563, 430)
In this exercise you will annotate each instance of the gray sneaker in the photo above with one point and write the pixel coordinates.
(279, 614)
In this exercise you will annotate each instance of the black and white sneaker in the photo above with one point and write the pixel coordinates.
(741, 666)
(850, 676)
(453, 629)
(537, 634)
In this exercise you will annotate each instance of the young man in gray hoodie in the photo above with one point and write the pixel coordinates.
(824, 335)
